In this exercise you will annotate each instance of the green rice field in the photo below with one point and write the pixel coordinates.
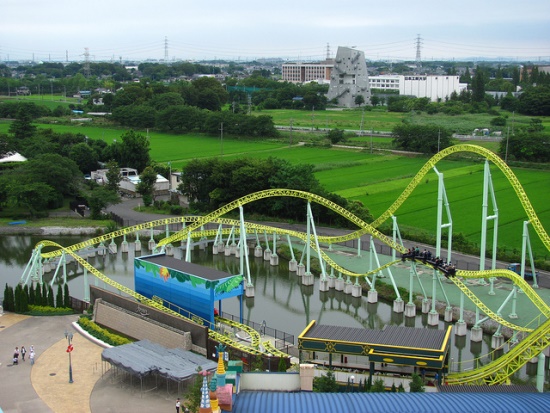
(376, 180)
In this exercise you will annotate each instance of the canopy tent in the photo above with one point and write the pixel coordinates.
(144, 358)
(12, 157)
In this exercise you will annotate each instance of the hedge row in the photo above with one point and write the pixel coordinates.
(46, 310)
(101, 333)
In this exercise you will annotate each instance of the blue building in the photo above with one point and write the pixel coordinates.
(197, 290)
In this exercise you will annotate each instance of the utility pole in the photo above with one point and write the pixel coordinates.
(291, 120)
(361, 126)
(221, 138)
(506, 153)
(371, 133)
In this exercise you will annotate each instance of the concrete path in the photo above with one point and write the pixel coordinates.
(45, 387)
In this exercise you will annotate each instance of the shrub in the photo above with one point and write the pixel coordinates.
(38, 310)
(102, 333)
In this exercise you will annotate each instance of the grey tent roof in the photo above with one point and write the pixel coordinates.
(143, 358)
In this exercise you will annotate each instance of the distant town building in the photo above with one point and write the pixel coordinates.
(435, 87)
(308, 72)
(349, 78)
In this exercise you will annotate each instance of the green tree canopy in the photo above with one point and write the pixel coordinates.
(421, 138)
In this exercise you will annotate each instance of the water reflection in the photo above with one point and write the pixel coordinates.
(280, 299)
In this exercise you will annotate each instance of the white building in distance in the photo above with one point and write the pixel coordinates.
(434, 87)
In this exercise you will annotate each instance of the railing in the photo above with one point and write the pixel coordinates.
(282, 339)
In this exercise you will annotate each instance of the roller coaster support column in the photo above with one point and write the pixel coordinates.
(301, 270)
(484, 218)
(267, 251)
(292, 264)
(307, 278)
(410, 308)
(217, 243)
(86, 286)
(258, 250)
(124, 245)
(540, 372)
(526, 247)
(372, 295)
(274, 259)
(394, 231)
(152, 243)
(168, 248)
(245, 265)
(137, 243)
(230, 247)
(188, 248)
(113, 247)
(233, 246)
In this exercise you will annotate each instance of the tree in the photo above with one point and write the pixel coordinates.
(22, 126)
(359, 100)
(34, 197)
(98, 199)
(66, 296)
(416, 385)
(146, 185)
(59, 296)
(525, 146)
(38, 295)
(378, 386)
(421, 138)
(9, 300)
(478, 85)
(84, 156)
(113, 176)
(63, 174)
(44, 301)
(282, 365)
(335, 136)
(326, 383)
(51, 299)
(535, 101)
(134, 151)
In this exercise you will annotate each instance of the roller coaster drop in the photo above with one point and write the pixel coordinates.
(495, 372)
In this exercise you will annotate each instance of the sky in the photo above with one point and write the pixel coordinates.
(113, 30)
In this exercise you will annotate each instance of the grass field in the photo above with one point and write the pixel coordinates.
(375, 180)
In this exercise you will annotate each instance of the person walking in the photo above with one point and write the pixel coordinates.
(16, 355)
(23, 352)
(31, 356)
(178, 405)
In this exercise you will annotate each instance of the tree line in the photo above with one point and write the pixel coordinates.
(212, 183)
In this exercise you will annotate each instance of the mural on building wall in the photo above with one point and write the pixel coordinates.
(220, 286)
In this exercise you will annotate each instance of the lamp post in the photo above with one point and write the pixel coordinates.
(69, 337)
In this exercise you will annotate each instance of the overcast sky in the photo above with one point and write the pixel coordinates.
(294, 30)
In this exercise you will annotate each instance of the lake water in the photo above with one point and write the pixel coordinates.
(280, 298)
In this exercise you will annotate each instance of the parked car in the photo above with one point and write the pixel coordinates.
(516, 267)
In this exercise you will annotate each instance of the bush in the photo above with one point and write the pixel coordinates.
(101, 333)
(38, 310)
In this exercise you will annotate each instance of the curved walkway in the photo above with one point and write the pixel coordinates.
(45, 387)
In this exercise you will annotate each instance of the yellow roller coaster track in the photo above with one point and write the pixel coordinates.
(495, 372)
(254, 336)
(500, 370)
